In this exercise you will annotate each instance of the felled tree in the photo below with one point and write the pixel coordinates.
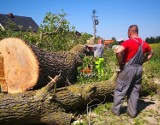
(53, 106)
(28, 67)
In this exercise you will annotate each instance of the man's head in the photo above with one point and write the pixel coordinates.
(100, 41)
(133, 31)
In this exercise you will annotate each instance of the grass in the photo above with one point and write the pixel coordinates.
(152, 66)
(101, 115)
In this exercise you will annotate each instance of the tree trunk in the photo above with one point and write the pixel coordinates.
(52, 63)
(27, 67)
(32, 107)
(53, 106)
(75, 97)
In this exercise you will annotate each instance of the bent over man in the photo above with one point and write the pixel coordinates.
(131, 54)
(98, 54)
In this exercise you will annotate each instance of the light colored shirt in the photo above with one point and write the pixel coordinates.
(98, 49)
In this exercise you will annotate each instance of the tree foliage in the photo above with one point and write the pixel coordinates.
(54, 34)
(153, 39)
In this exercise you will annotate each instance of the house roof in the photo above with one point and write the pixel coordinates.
(17, 23)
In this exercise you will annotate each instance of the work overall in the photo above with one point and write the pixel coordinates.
(128, 83)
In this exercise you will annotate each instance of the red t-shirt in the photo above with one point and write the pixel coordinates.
(131, 47)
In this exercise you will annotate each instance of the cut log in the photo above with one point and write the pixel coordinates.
(20, 65)
(28, 67)
(33, 107)
(52, 63)
(50, 106)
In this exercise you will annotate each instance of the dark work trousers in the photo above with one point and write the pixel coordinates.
(129, 83)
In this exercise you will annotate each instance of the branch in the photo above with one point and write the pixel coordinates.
(50, 33)
(44, 91)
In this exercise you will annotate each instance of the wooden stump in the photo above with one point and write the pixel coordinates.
(20, 65)
(28, 67)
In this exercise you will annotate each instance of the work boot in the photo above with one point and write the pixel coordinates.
(131, 115)
(113, 112)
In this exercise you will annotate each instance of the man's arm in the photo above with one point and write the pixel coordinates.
(119, 53)
(94, 45)
(148, 56)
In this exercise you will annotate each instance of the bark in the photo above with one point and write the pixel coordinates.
(52, 63)
(54, 106)
(32, 107)
(76, 97)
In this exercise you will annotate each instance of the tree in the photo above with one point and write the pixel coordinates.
(153, 39)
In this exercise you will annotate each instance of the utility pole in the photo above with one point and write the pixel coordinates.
(95, 22)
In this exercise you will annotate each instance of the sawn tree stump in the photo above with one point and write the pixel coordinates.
(27, 67)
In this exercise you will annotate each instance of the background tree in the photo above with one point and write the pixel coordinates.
(153, 39)
(55, 33)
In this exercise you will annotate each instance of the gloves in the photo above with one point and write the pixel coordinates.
(115, 47)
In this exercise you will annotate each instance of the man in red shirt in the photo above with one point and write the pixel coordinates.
(131, 54)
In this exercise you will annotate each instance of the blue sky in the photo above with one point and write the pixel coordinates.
(115, 16)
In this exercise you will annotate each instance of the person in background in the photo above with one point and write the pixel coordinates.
(131, 54)
(98, 54)
(97, 48)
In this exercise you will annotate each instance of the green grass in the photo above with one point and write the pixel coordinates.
(152, 66)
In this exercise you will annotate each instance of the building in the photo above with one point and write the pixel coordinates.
(17, 23)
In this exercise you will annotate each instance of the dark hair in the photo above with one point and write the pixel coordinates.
(133, 28)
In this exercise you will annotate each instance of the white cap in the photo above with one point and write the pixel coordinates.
(120, 39)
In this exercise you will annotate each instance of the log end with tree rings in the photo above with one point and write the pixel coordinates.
(20, 65)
